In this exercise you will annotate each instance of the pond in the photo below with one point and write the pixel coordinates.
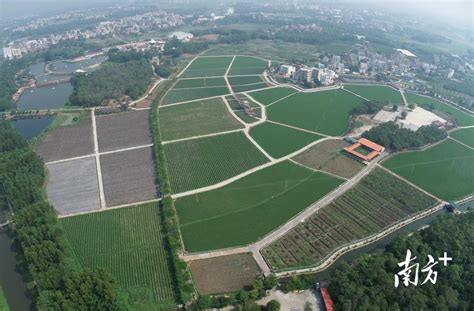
(47, 97)
(33, 126)
(65, 66)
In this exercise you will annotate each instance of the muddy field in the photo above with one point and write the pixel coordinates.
(128, 176)
(68, 142)
(224, 274)
(327, 156)
(123, 130)
(73, 187)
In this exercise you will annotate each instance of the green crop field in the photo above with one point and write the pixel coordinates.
(380, 93)
(182, 95)
(249, 208)
(462, 118)
(205, 161)
(244, 80)
(279, 140)
(247, 65)
(464, 135)
(128, 242)
(207, 67)
(249, 87)
(326, 112)
(445, 170)
(196, 118)
(378, 201)
(267, 97)
(199, 82)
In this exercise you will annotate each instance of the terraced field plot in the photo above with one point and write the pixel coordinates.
(196, 118)
(378, 201)
(328, 156)
(199, 82)
(205, 161)
(279, 140)
(242, 115)
(379, 93)
(182, 95)
(72, 186)
(248, 65)
(68, 142)
(445, 170)
(326, 112)
(129, 176)
(224, 274)
(123, 130)
(128, 242)
(207, 67)
(249, 208)
(464, 135)
(267, 97)
(462, 119)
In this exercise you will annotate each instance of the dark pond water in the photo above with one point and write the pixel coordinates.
(47, 97)
(32, 127)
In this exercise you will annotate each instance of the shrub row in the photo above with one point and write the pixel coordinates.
(184, 283)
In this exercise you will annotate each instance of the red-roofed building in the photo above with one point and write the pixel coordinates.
(365, 149)
(327, 299)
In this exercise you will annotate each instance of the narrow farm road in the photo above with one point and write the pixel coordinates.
(103, 204)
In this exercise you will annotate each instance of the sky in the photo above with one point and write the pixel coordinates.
(452, 11)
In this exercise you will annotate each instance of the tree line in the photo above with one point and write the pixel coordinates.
(395, 138)
(56, 280)
(369, 283)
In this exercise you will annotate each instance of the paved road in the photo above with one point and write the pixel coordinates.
(97, 162)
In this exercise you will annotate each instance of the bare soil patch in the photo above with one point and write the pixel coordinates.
(68, 142)
(128, 176)
(73, 187)
(123, 130)
(327, 156)
(224, 274)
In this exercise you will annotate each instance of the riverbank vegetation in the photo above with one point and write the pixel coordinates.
(53, 275)
(370, 281)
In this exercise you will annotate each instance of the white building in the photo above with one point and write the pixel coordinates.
(11, 53)
(287, 70)
(326, 76)
(182, 36)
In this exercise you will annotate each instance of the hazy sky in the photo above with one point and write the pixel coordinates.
(455, 11)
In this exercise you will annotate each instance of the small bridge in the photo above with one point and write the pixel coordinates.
(53, 82)
(4, 225)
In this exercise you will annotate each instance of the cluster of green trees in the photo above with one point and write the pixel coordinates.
(56, 280)
(183, 280)
(368, 107)
(392, 137)
(369, 283)
(7, 81)
(176, 47)
(465, 87)
(111, 80)
(117, 56)
(243, 299)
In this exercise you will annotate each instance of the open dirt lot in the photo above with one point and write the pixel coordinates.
(295, 301)
(68, 142)
(123, 130)
(327, 156)
(128, 176)
(224, 274)
(73, 187)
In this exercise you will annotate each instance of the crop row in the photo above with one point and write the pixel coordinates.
(371, 206)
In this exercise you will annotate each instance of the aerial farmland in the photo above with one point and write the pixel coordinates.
(253, 175)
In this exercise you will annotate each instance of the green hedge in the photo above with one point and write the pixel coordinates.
(183, 278)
